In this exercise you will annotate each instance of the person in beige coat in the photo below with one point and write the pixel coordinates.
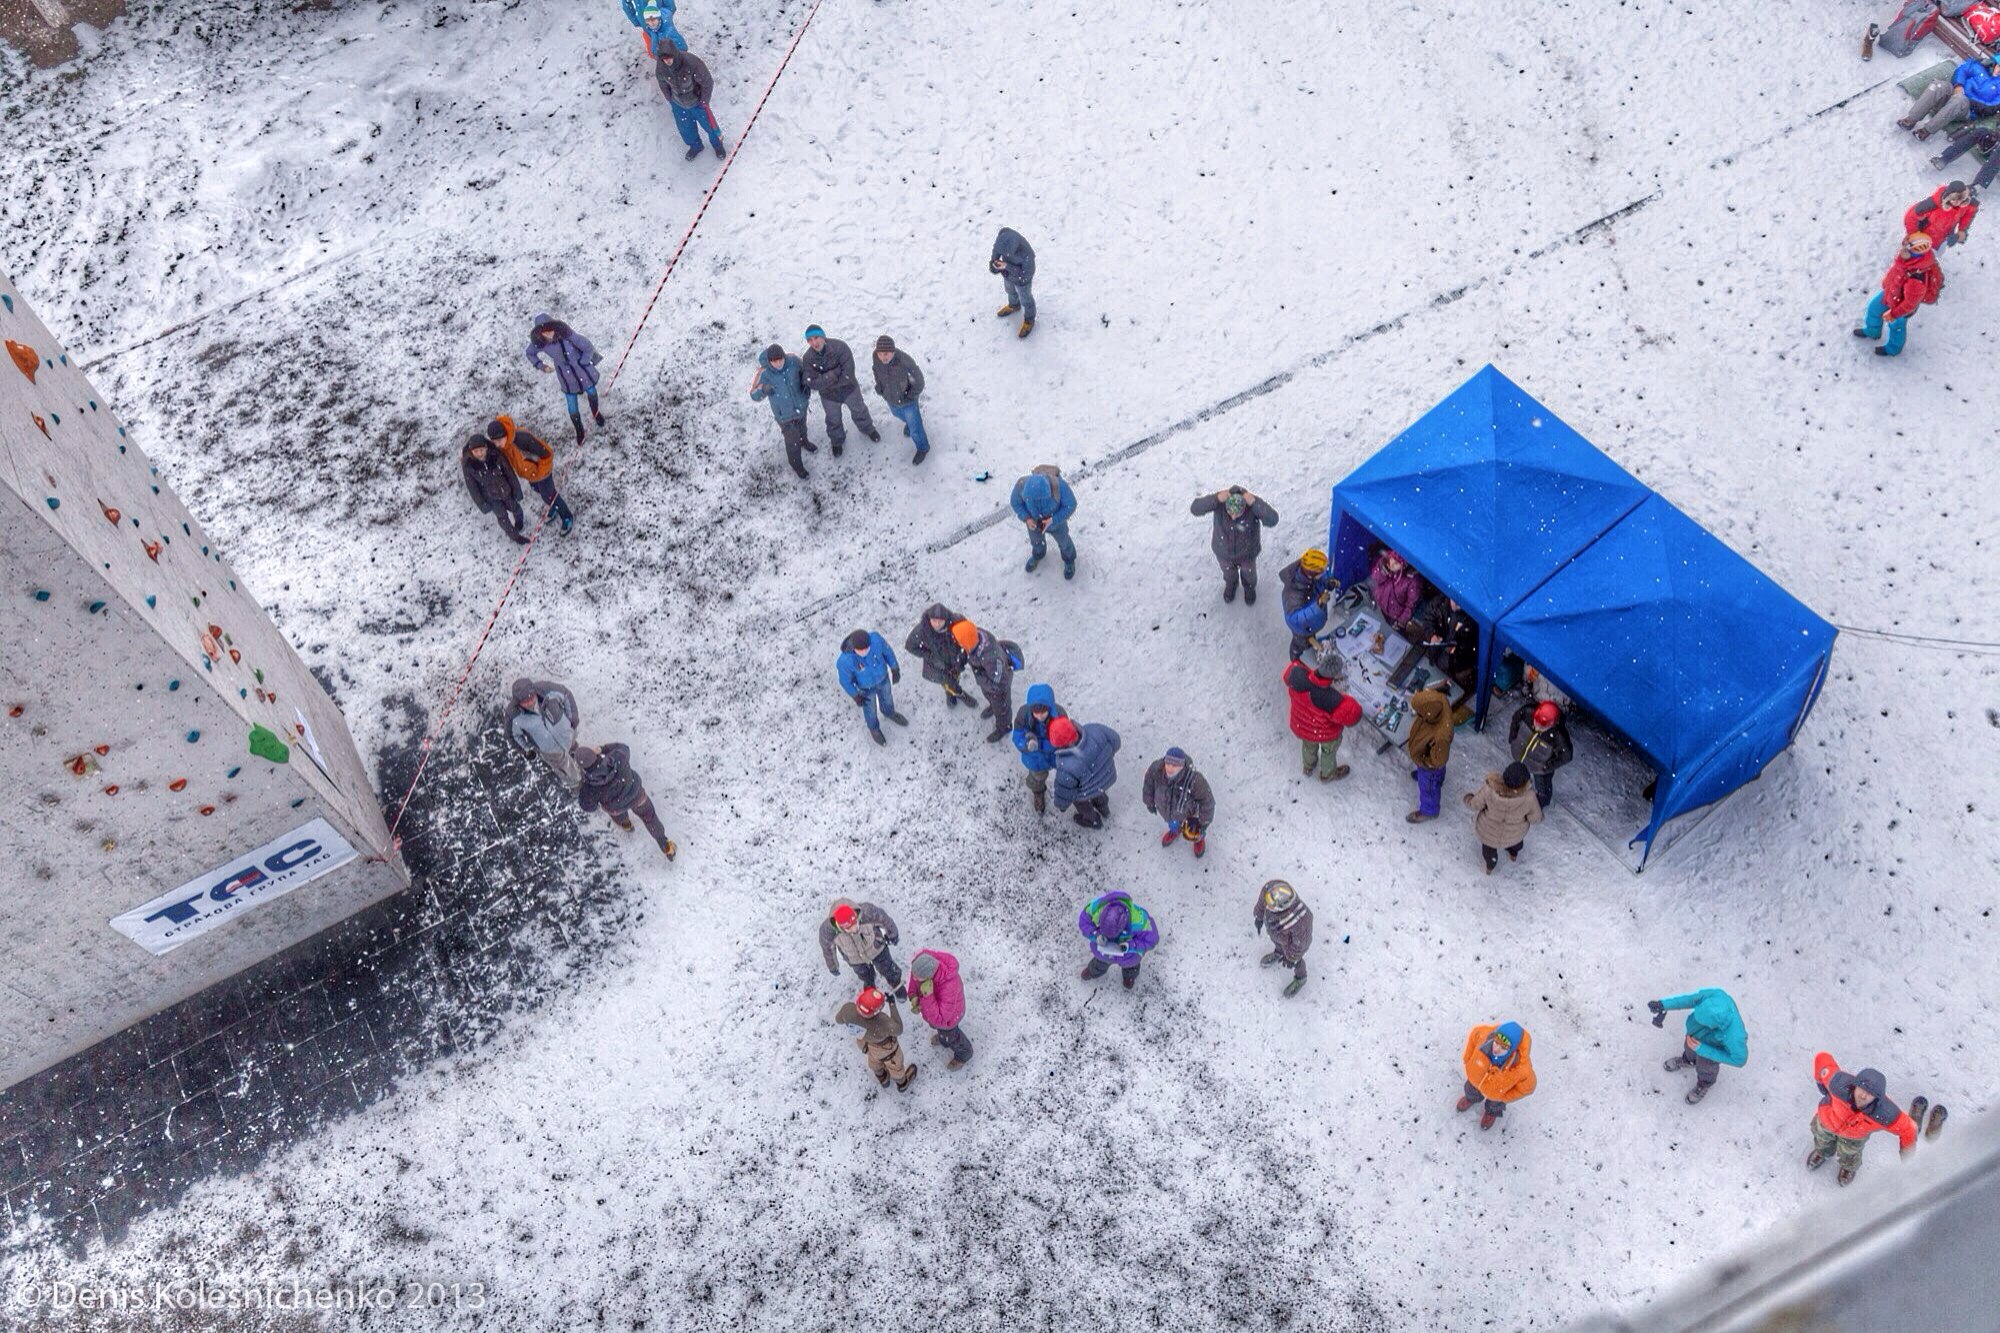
(1503, 806)
(875, 1017)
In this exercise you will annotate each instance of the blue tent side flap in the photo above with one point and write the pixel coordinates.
(1684, 647)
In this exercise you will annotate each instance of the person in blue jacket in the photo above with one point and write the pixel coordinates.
(780, 380)
(1974, 90)
(1120, 934)
(1014, 260)
(1031, 738)
(867, 669)
(1715, 1036)
(654, 19)
(1305, 584)
(1044, 502)
(1084, 768)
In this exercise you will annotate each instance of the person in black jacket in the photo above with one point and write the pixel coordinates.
(933, 644)
(829, 371)
(1237, 537)
(901, 382)
(687, 86)
(1539, 738)
(495, 488)
(1452, 637)
(610, 785)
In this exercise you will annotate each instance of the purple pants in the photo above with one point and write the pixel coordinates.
(1430, 785)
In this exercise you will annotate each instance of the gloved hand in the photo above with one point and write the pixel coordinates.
(1659, 1013)
(895, 675)
(859, 702)
(1033, 744)
(1257, 926)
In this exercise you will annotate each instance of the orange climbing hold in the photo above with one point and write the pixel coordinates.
(40, 425)
(112, 790)
(102, 749)
(25, 359)
(208, 809)
(109, 512)
(177, 784)
(235, 656)
(16, 710)
(152, 550)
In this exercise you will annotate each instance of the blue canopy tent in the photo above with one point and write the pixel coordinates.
(1487, 495)
(1682, 646)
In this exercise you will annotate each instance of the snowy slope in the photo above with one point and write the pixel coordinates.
(1367, 207)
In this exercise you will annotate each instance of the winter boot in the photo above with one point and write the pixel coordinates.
(693, 153)
(875, 734)
(951, 699)
(936, 1040)
(1041, 802)
(719, 151)
(1417, 817)
(1936, 1125)
(1487, 1119)
(1309, 768)
(997, 732)
(1168, 838)
(1294, 986)
(922, 454)
(624, 823)
(1815, 1160)
(576, 419)
(1863, 333)
(1338, 773)
(1028, 325)
(909, 1077)
(839, 449)
(1130, 980)
(1466, 1104)
(1006, 310)
(1228, 592)
(875, 437)
(1249, 596)
(1034, 560)
(1883, 351)
(668, 848)
(1677, 1063)
(955, 1063)
(1272, 957)
(1200, 848)
(882, 1077)
(1087, 817)
(1069, 569)
(1089, 975)
(1846, 1176)
(1513, 855)
(899, 719)
(1697, 1092)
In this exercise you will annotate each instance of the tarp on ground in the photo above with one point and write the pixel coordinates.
(1487, 495)
(1681, 645)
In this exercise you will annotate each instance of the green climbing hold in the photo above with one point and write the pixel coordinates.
(193, 736)
(264, 743)
(258, 672)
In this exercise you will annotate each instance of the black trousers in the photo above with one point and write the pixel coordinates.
(1492, 854)
(1097, 967)
(512, 521)
(795, 443)
(886, 961)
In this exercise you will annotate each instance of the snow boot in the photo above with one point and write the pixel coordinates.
(1089, 975)
(596, 415)
(1936, 1125)
(1309, 767)
(1466, 1103)
(1679, 1062)
(1006, 310)
(1863, 333)
(1171, 836)
(1338, 773)
(1883, 351)
(1249, 597)
(1228, 592)
(1129, 980)
(1487, 1119)
(882, 1078)
(1417, 817)
(1294, 986)
(875, 734)
(955, 1063)
(936, 1040)
(1069, 569)
(1200, 848)
(922, 454)
(1091, 820)
(899, 719)
(997, 732)
(1815, 1160)
(1268, 959)
(875, 437)
(839, 449)
(1034, 560)
(986, 711)
(693, 153)
(1846, 1176)
(1041, 802)
(809, 447)
(1697, 1092)
(952, 700)
(717, 146)
(909, 1077)
(1028, 325)
(1868, 42)
(1513, 855)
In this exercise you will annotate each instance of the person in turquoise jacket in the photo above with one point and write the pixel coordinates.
(1715, 1036)
(654, 19)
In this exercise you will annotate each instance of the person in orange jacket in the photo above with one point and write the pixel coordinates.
(1496, 1068)
(1851, 1107)
(1913, 279)
(533, 461)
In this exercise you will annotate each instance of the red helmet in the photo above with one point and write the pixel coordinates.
(1062, 733)
(1547, 714)
(845, 916)
(869, 1002)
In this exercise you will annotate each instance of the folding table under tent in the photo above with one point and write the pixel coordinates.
(1487, 495)
(1683, 647)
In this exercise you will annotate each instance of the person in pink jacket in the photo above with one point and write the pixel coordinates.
(936, 994)
(1397, 587)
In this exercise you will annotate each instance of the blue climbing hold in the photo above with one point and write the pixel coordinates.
(95, 607)
(152, 601)
(54, 503)
(9, 301)
(193, 736)
(299, 802)
(185, 532)
(173, 685)
(242, 693)
(233, 772)
(41, 594)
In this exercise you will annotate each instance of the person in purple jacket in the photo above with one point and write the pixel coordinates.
(555, 346)
(1120, 932)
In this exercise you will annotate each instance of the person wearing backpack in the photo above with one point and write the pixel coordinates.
(1043, 502)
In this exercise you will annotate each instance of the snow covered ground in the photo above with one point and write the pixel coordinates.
(302, 250)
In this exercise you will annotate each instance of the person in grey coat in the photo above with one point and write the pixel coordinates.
(900, 381)
(1014, 260)
(1175, 792)
(1237, 537)
(829, 372)
(1288, 924)
(860, 934)
(780, 380)
(542, 722)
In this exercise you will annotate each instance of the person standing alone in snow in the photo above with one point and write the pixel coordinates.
(494, 486)
(1851, 1107)
(687, 85)
(610, 785)
(1496, 1069)
(1288, 923)
(860, 934)
(901, 382)
(829, 372)
(1320, 714)
(1502, 808)
(1715, 1036)
(654, 19)
(1306, 584)
(1429, 748)
(1043, 502)
(781, 380)
(866, 670)
(1539, 738)
(1181, 796)
(875, 1018)
(1084, 768)
(939, 999)
(1237, 536)
(992, 662)
(1913, 279)
(1120, 934)
(554, 347)
(542, 722)
(1014, 260)
(1031, 738)
(533, 461)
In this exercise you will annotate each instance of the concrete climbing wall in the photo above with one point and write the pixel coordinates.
(162, 748)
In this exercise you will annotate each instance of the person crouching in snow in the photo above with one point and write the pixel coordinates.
(1085, 768)
(1120, 932)
(1031, 738)
(654, 19)
(534, 462)
(1851, 1107)
(610, 785)
(1502, 808)
(1913, 279)
(687, 85)
(1288, 922)
(1496, 1069)
(1320, 713)
(939, 999)
(866, 670)
(860, 934)
(1429, 748)
(1179, 794)
(1715, 1036)
(555, 347)
(875, 1017)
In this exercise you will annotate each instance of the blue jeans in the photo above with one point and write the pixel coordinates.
(1872, 325)
(877, 698)
(913, 422)
(569, 400)
(1038, 544)
(691, 120)
(1430, 785)
(1021, 294)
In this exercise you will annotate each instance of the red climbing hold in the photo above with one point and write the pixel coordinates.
(40, 425)
(112, 790)
(25, 359)
(152, 550)
(177, 784)
(109, 512)
(102, 749)
(235, 656)
(208, 809)
(16, 710)
(79, 765)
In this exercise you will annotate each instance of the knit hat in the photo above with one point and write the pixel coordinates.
(856, 642)
(1516, 774)
(774, 353)
(1956, 187)
(650, 12)
(924, 966)
(965, 634)
(869, 1002)
(586, 758)
(1510, 1034)
(495, 431)
(522, 690)
(1279, 895)
(845, 916)
(1175, 754)
(1062, 733)
(814, 331)
(885, 344)
(1313, 561)
(1547, 714)
(476, 442)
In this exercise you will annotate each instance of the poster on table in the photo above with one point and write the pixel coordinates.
(235, 887)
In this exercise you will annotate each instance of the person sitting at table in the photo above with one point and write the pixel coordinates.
(1397, 588)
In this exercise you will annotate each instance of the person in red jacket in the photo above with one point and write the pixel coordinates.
(1851, 1107)
(1914, 279)
(1946, 217)
(1320, 712)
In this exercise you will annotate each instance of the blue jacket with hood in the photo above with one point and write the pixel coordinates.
(1714, 1023)
(1031, 738)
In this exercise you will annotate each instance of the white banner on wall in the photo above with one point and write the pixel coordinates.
(234, 887)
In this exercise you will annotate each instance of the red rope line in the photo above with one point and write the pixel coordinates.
(429, 743)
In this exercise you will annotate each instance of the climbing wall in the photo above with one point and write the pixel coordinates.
(155, 729)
